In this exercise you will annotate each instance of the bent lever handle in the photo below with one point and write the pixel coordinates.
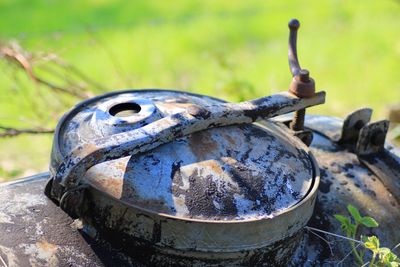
(294, 64)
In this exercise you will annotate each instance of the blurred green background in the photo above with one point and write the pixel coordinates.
(229, 49)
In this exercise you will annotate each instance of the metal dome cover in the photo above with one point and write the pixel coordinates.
(237, 172)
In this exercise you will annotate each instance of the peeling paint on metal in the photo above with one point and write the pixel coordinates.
(166, 179)
(169, 128)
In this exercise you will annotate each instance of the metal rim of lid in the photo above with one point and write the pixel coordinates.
(76, 109)
(286, 222)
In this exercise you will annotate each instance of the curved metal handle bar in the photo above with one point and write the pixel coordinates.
(192, 120)
(294, 64)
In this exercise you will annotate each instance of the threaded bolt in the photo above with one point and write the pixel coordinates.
(297, 123)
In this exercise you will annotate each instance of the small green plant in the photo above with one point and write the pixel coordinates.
(381, 256)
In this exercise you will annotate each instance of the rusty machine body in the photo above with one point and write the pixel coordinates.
(162, 177)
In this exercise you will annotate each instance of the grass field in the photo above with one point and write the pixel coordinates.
(230, 49)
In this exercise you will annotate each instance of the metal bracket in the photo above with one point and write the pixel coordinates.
(353, 124)
(372, 138)
(371, 151)
(72, 200)
(306, 135)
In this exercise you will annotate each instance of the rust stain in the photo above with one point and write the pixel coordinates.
(213, 165)
(179, 201)
(107, 184)
(90, 147)
(172, 106)
(114, 186)
(121, 166)
(46, 246)
(230, 139)
(202, 144)
(229, 160)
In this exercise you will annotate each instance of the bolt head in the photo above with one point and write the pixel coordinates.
(294, 24)
(304, 75)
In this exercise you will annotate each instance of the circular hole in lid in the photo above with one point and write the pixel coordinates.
(124, 109)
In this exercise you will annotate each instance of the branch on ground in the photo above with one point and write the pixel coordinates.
(27, 62)
(10, 132)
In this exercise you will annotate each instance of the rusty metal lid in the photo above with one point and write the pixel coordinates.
(238, 172)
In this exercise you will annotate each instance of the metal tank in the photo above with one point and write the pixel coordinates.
(169, 178)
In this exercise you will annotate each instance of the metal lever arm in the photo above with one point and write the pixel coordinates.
(192, 120)
(294, 64)
(302, 84)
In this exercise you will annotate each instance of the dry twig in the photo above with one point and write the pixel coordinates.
(3, 262)
(26, 61)
(9, 131)
(49, 71)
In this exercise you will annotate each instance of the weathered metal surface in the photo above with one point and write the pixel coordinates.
(343, 180)
(303, 85)
(306, 136)
(367, 141)
(169, 128)
(241, 230)
(227, 173)
(386, 165)
(353, 124)
(331, 128)
(203, 240)
(372, 138)
(71, 132)
(106, 121)
(35, 232)
(208, 193)
(382, 160)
